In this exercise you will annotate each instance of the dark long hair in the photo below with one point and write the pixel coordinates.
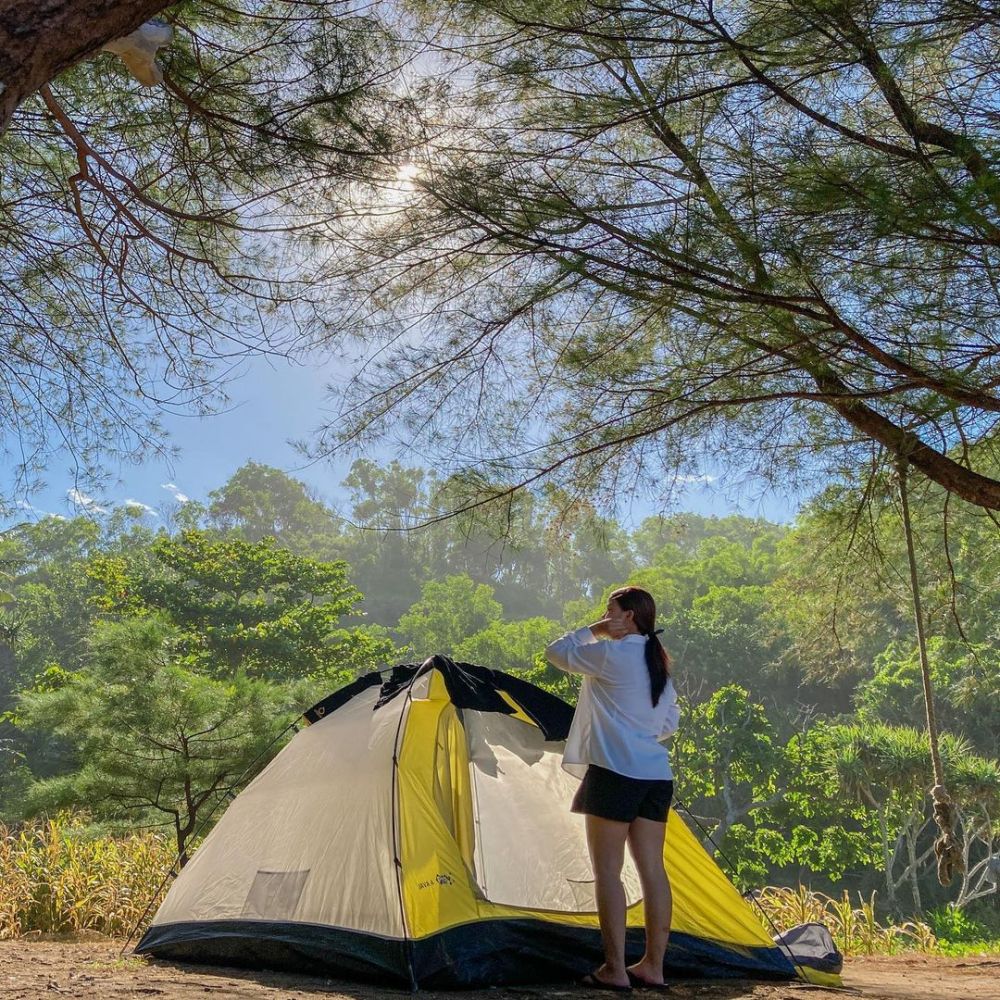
(643, 608)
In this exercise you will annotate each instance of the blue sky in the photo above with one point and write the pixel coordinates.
(272, 404)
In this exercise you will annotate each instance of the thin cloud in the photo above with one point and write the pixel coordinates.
(139, 505)
(175, 492)
(80, 499)
(703, 478)
(37, 511)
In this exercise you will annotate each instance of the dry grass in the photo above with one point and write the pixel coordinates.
(854, 927)
(54, 879)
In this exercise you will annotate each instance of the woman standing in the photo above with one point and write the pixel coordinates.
(627, 705)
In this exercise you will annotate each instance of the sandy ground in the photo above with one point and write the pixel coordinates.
(47, 970)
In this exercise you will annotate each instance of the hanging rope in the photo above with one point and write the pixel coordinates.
(950, 859)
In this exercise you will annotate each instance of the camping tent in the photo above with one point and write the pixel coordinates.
(418, 832)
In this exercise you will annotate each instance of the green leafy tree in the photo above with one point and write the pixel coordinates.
(767, 805)
(246, 607)
(966, 685)
(845, 580)
(685, 532)
(509, 645)
(259, 501)
(448, 612)
(45, 623)
(813, 830)
(155, 742)
(728, 634)
(389, 562)
(519, 647)
(887, 768)
(51, 610)
(728, 755)
(977, 783)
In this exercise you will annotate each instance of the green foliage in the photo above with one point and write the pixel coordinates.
(519, 647)
(538, 552)
(447, 613)
(509, 645)
(245, 607)
(153, 740)
(259, 501)
(955, 925)
(768, 803)
(966, 683)
(733, 745)
(50, 611)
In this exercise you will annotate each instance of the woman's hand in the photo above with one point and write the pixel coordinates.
(612, 627)
(600, 629)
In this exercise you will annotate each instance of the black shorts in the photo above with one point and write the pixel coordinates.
(613, 796)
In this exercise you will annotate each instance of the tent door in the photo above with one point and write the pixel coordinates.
(530, 850)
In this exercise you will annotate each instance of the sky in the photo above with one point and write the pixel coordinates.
(273, 404)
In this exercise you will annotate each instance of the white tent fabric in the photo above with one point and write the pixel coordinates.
(309, 839)
(521, 797)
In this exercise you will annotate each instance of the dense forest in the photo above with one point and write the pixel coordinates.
(148, 668)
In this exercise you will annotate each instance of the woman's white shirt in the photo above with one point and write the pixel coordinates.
(616, 725)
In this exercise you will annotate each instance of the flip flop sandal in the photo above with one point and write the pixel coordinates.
(644, 984)
(591, 982)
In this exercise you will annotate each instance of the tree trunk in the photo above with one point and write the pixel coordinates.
(886, 856)
(41, 38)
(977, 489)
(911, 857)
(183, 835)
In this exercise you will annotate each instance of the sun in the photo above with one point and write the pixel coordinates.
(406, 174)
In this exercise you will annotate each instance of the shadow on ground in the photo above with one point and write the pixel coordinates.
(683, 989)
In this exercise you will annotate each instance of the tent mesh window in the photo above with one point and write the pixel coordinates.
(274, 895)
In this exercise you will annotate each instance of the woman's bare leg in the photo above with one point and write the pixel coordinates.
(645, 841)
(606, 840)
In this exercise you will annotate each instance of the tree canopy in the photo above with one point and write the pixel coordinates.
(156, 238)
(242, 607)
(597, 246)
(151, 737)
(643, 235)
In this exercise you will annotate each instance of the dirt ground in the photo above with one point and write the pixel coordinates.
(47, 970)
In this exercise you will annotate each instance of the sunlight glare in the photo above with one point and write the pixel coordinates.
(406, 175)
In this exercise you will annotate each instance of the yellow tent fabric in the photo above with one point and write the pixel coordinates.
(436, 810)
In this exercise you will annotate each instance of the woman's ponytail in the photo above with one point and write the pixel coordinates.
(643, 608)
(658, 665)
